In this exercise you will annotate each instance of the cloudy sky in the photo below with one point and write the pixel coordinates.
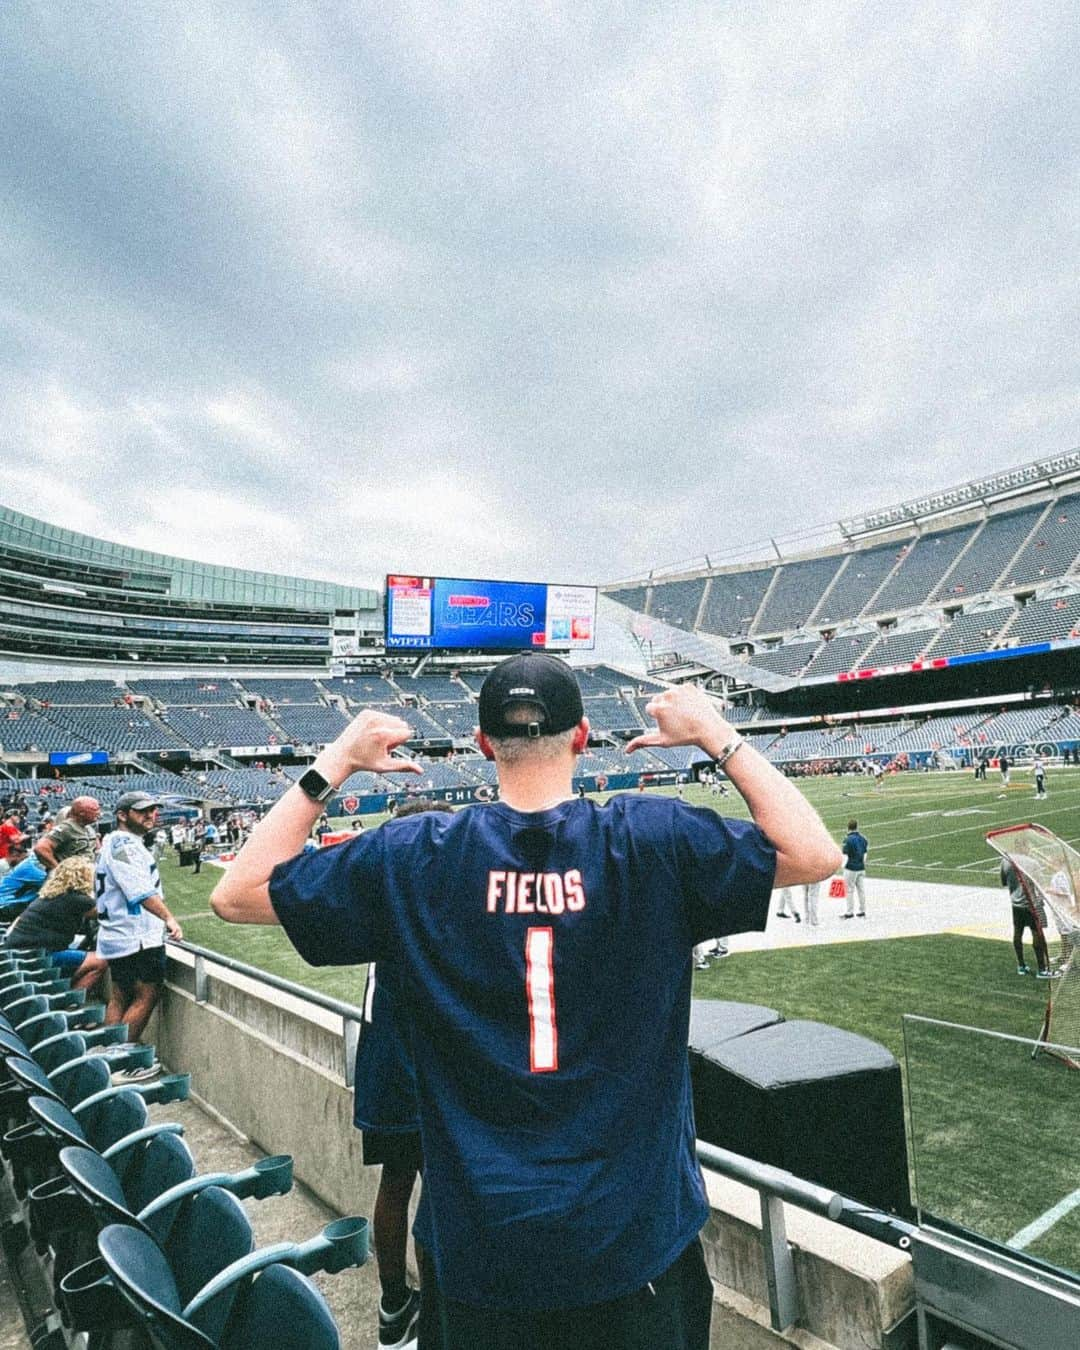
(542, 290)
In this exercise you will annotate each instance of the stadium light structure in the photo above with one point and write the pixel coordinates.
(978, 491)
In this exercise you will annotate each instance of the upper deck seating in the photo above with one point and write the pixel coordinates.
(611, 714)
(676, 602)
(790, 659)
(595, 682)
(1045, 620)
(897, 649)
(633, 597)
(235, 786)
(22, 730)
(796, 594)
(433, 688)
(213, 725)
(984, 562)
(361, 690)
(186, 693)
(309, 724)
(285, 691)
(855, 586)
(922, 569)
(844, 652)
(1052, 550)
(71, 693)
(733, 601)
(424, 728)
(459, 720)
(974, 632)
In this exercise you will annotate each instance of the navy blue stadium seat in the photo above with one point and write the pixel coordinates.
(252, 1302)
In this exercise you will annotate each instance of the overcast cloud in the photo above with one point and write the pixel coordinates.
(543, 290)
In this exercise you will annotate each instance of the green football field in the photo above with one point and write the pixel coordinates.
(989, 1128)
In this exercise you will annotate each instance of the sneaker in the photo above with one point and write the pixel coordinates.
(779, 915)
(144, 1074)
(720, 953)
(701, 965)
(1048, 975)
(398, 1332)
(847, 916)
(861, 914)
(1023, 970)
(796, 918)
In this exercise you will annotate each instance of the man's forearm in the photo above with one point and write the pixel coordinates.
(805, 851)
(243, 895)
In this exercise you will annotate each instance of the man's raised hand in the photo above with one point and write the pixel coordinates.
(366, 744)
(684, 716)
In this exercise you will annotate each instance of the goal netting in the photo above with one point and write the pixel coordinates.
(1049, 871)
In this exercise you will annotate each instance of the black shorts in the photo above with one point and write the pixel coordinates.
(399, 1151)
(142, 967)
(673, 1312)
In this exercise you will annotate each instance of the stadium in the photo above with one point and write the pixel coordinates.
(897, 663)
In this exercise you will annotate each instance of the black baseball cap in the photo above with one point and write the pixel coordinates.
(536, 678)
(136, 801)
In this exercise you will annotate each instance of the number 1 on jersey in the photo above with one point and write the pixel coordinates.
(540, 995)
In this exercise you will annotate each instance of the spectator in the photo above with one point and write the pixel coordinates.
(854, 849)
(23, 882)
(59, 911)
(10, 832)
(76, 834)
(1029, 914)
(134, 921)
(385, 1109)
(17, 851)
(546, 943)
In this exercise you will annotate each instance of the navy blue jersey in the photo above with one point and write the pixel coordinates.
(384, 1081)
(854, 849)
(545, 964)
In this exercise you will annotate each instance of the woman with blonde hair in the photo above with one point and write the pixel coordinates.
(53, 918)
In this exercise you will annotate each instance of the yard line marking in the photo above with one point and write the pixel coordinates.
(1027, 1236)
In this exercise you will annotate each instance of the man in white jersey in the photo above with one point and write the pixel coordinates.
(133, 921)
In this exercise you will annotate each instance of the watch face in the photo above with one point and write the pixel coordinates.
(315, 785)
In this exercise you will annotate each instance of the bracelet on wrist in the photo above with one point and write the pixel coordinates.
(728, 750)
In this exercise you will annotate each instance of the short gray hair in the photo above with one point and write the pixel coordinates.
(519, 749)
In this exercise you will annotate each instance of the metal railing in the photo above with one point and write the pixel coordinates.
(351, 1016)
(775, 1187)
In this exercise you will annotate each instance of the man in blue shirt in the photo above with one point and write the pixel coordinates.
(854, 849)
(545, 951)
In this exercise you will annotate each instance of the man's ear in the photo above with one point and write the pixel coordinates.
(580, 740)
(484, 744)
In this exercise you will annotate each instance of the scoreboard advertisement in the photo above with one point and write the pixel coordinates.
(454, 614)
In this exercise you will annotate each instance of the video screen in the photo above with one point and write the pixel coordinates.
(454, 613)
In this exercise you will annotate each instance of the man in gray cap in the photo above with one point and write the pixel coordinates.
(133, 921)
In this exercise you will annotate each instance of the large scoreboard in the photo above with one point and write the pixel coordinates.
(454, 614)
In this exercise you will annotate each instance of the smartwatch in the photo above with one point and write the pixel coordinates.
(315, 786)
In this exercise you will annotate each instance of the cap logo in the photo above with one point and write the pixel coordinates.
(521, 689)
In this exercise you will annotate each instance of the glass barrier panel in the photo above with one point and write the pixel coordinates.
(994, 1135)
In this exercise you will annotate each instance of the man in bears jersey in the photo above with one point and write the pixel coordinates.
(545, 945)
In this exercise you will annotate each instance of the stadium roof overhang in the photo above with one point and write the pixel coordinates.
(977, 492)
(625, 638)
